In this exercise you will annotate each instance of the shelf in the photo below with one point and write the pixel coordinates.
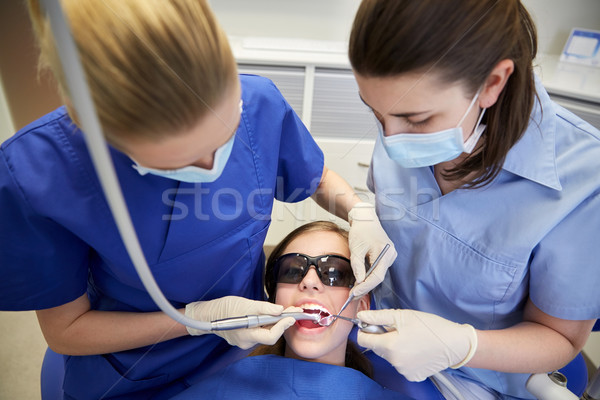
(577, 82)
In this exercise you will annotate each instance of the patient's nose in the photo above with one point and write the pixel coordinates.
(311, 280)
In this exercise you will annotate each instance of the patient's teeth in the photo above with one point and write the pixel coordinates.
(311, 306)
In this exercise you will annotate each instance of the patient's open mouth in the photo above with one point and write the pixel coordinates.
(313, 309)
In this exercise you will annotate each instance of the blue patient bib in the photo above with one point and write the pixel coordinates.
(275, 377)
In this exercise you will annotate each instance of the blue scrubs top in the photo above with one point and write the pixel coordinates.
(475, 255)
(202, 241)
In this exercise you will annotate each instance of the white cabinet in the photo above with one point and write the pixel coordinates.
(337, 110)
(350, 158)
(327, 100)
(585, 110)
(289, 80)
(575, 87)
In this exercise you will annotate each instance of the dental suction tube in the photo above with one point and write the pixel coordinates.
(82, 102)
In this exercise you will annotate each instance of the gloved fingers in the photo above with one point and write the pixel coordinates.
(227, 307)
(375, 341)
(280, 327)
(371, 281)
(414, 376)
(270, 336)
(293, 309)
(357, 261)
(358, 251)
(378, 274)
(192, 311)
(195, 332)
(379, 317)
(264, 307)
(386, 260)
(365, 287)
(384, 345)
(389, 257)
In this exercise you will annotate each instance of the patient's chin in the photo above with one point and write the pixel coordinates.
(307, 351)
(329, 347)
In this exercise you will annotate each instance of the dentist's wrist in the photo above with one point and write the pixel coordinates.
(472, 337)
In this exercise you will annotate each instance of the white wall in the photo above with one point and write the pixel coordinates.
(556, 18)
(592, 348)
(332, 19)
(6, 124)
(308, 19)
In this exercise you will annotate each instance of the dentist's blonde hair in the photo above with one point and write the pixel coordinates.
(154, 67)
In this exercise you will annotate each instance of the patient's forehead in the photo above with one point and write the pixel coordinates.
(316, 243)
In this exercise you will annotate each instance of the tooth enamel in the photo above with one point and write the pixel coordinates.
(311, 306)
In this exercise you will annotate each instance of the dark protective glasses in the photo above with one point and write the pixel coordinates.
(332, 270)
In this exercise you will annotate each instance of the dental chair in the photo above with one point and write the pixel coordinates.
(386, 375)
(52, 376)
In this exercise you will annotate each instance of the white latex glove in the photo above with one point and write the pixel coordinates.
(422, 344)
(233, 306)
(368, 237)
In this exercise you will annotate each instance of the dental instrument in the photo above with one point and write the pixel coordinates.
(253, 321)
(368, 328)
(326, 321)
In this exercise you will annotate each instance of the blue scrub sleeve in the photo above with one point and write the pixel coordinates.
(301, 160)
(42, 264)
(565, 278)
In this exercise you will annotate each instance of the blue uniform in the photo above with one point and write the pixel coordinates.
(475, 255)
(201, 241)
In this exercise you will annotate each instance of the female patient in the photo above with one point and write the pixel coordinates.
(293, 279)
(309, 270)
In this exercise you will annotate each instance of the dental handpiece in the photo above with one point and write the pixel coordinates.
(252, 321)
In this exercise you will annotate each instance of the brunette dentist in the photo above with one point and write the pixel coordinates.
(488, 189)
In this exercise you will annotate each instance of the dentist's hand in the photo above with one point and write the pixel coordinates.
(367, 237)
(233, 306)
(422, 344)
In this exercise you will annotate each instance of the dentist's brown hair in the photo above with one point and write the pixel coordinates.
(460, 41)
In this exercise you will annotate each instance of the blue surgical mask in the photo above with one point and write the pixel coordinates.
(415, 150)
(193, 174)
